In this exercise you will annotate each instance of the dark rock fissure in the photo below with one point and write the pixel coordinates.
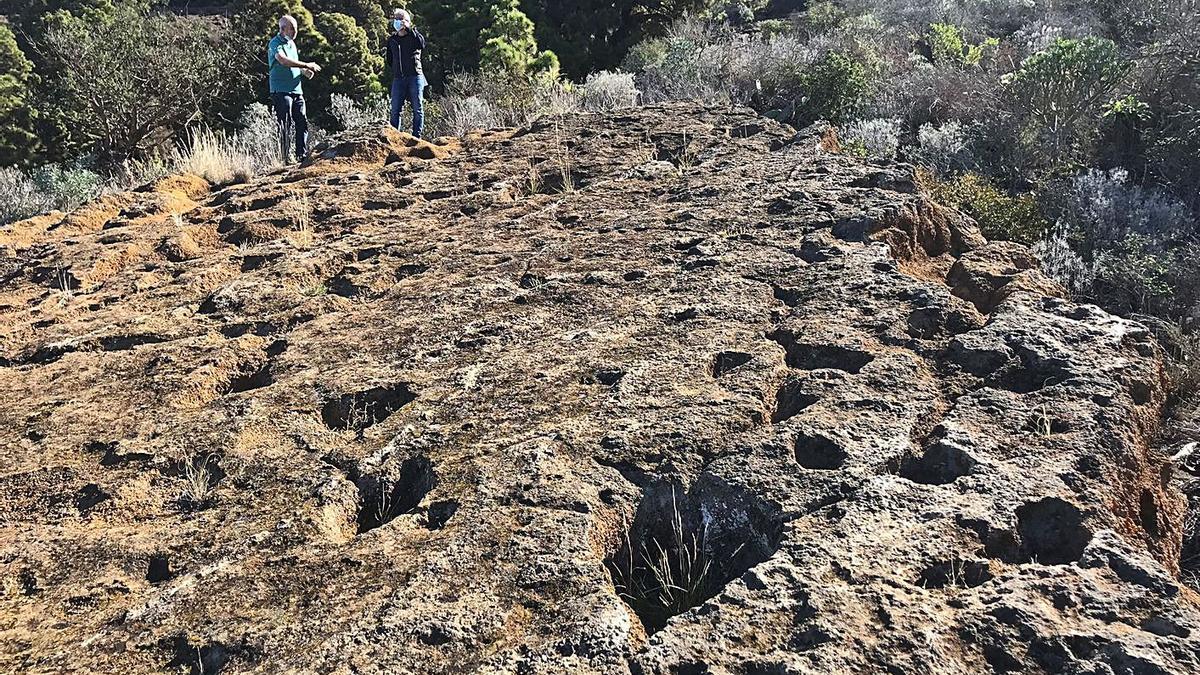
(383, 497)
(815, 451)
(256, 379)
(209, 659)
(1052, 532)
(789, 402)
(360, 410)
(955, 573)
(813, 356)
(726, 361)
(681, 551)
(941, 463)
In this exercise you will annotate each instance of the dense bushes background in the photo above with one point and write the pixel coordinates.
(1072, 126)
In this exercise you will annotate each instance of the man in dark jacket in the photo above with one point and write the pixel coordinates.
(404, 47)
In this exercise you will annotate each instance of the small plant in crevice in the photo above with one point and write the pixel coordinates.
(385, 497)
(664, 578)
(361, 410)
(298, 210)
(533, 181)
(564, 161)
(201, 475)
(671, 559)
(65, 289)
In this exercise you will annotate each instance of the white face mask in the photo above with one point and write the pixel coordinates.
(397, 24)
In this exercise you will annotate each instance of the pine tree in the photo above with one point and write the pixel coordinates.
(17, 140)
(372, 16)
(453, 29)
(509, 47)
(349, 66)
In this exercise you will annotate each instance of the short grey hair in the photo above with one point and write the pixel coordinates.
(288, 19)
(403, 12)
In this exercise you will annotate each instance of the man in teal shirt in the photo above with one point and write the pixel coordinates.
(287, 86)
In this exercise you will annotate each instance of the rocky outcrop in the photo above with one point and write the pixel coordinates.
(673, 389)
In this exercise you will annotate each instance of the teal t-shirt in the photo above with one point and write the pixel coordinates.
(284, 80)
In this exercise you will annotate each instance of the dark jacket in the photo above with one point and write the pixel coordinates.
(403, 53)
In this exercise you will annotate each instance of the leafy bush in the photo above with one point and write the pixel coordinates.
(1060, 262)
(943, 150)
(999, 214)
(456, 115)
(948, 47)
(479, 101)
(20, 197)
(1103, 208)
(693, 61)
(68, 186)
(374, 111)
(1060, 91)
(1139, 245)
(156, 71)
(608, 90)
(24, 195)
(877, 138)
(258, 135)
(833, 89)
(1133, 275)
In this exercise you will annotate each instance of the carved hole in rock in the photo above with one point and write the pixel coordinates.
(343, 285)
(1051, 532)
(726, 361)
(1032, 374)
(89, 496)
(607, 376)
(814, 451)
(956, 573)
(941, 463)
(926, 323)
(158, 569)
(440, 513)
(1000, 660)
(684, 548)
(360, 410)
(207, 660)
(406, 271)
(254, 380)
(112, 455)
(1149, 512)
(253, 262)
(554, 178)
(790, 401)
(814, 356)
(384, 497)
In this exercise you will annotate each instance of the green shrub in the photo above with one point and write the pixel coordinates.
(999, 214)
(509, 47)
(948, 47)
(831, 89)
(17, 139)
(771, 28)
(1059, 92)
(122, 83)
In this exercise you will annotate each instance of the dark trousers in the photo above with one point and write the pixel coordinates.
(408, 89)
(290, 112)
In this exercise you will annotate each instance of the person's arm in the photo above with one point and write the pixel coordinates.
(387, 53)
(285, 60)
(417, 34)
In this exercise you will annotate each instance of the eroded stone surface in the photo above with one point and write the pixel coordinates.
(438, 392)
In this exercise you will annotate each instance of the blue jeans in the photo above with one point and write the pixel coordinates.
(290, 110)
(408, 88)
